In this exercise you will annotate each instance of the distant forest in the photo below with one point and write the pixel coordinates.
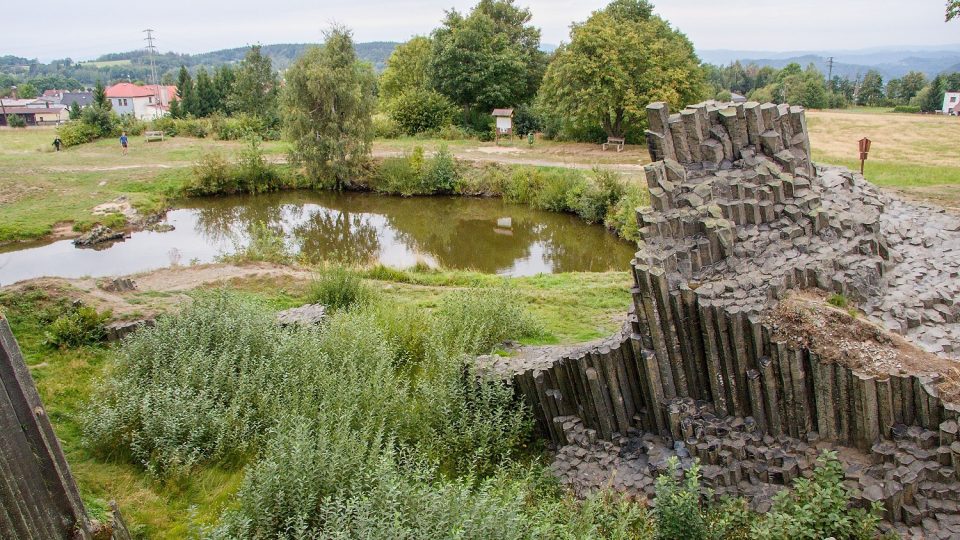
(135, 65)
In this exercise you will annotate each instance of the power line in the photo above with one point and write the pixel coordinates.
(152, 50)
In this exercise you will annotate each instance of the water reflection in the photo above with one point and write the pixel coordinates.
(481, 234)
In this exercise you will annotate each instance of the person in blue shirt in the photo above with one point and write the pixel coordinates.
(123, 142)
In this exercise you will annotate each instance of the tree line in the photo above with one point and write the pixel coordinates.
(252, 88)
(810, 88)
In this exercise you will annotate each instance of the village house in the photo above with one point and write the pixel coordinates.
(142, 102)
(951, 103)
(36, 116)
(82, 99)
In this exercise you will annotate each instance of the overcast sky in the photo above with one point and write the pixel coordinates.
(58, 28)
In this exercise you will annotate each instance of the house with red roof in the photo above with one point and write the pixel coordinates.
(147, 102)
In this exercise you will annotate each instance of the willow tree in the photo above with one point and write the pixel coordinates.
(327, 109)
(622, 58)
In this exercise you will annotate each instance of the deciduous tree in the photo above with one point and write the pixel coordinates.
(327, 109)
(911, 84)
(953, 10)
(871, 89)
(489, 58)
(408, 68)
(618, 61)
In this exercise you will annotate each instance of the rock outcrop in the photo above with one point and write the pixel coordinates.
(725, 359)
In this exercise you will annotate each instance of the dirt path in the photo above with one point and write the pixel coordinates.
(514, 156)
(157, 291)
(477, 155)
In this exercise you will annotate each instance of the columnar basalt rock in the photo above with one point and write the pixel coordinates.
(712, 365)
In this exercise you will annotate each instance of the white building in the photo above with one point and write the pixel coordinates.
(142, 102)
(951, 103)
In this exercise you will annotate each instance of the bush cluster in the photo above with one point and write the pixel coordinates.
(420, 110)
(338, 288)
(214, 174)
(76, 132)
(906, 109)
(597, 197)
(16, 121)
(416, 174)
(79, 325)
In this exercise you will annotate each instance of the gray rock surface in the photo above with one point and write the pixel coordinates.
(308, 315)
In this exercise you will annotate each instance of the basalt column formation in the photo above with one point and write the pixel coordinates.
(728, 357)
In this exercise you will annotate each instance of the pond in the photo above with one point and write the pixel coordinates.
(487, 235)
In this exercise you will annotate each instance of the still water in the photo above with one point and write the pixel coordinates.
(487, 235)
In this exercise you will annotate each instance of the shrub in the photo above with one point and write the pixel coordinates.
(439, 174)
(16, 121)
(595, 200)
(473, 321)
(76, 132)
(103, 122)
(396, 175)
(623, 217)
(526, 121)
(838, 300)
(253, 173)
(415, 174)
(131, 125)
(678, 512)
(212, 175)
(213, 383)
(560, 188)
(418, 110)
(906, 109)
(188, 127)
(385, 127)
(451, 132)
(241, 126)
(338, 289)
(82, 325)
(819, 507)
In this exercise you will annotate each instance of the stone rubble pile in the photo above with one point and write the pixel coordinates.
(923, 277)
(913, 476)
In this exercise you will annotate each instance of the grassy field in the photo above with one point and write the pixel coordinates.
(40, 188)
(914, 154)
(572, 308)
(106, 63)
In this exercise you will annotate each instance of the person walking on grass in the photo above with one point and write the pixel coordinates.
(123, 142)
(57, 143)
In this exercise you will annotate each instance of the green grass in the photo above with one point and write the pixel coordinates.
(900, 175)
(106, 63)
(40, 188)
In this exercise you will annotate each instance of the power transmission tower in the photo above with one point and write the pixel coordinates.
(830, 76)
(152, 51)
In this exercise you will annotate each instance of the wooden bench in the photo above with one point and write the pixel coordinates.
(153, 135)
(614, 140)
